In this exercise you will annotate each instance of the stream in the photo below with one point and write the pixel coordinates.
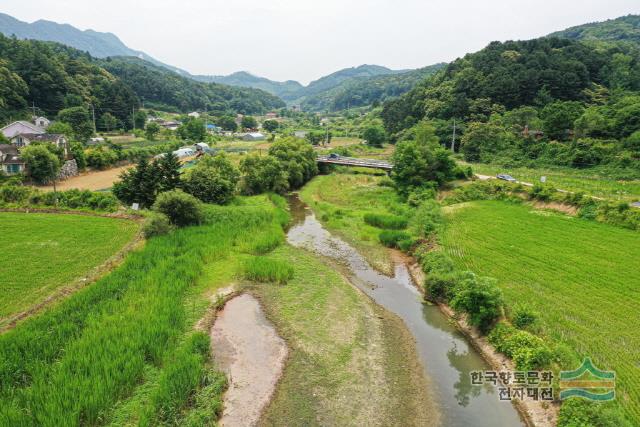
(445, 354)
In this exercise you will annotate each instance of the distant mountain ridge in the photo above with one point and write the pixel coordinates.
(99, 45)
(285, 90)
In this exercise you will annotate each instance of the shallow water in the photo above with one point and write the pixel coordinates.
(445, 353)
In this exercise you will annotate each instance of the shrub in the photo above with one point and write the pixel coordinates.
(261, 269)
(527, 350)
(388, 222)
(156, 224)
(391, 238)
(14, 193)
(436, 262)
(524, 316)
(181, 208)
(580, 413)
(542, 192)
(427, 219)
(440, 286)
(209, 185)
(481, 299)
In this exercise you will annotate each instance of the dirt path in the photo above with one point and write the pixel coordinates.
(94, 180)
(248, 349)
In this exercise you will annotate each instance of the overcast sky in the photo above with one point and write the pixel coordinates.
(304, 39)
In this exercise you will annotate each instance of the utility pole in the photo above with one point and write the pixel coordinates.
(133, 117)
(93, 113)
(453, 139)
(34, 110)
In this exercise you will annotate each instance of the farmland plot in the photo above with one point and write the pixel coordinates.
(581, 276)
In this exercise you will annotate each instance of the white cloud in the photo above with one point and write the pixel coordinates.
(305, 39)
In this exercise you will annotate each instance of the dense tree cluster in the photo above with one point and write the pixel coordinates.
(548, 100)
(54, 77)
(168, 90)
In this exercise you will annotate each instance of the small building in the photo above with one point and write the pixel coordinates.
(25, 139)
(300, 134)
(171, 125)
(19, 127)
(10, 161)
(254, 136)
(213, 128)
(41, 122)
(271, 115)
(201, 146)
(194, 114)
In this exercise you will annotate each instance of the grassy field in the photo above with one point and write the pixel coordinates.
(350, 362)
(575, 180)
(581, 276)
(341, 201)
(124, 351)
(44, 252)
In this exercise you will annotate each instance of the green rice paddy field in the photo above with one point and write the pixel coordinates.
(43, 252)
(581, 276)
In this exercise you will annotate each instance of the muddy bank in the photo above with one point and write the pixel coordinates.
(248, 349)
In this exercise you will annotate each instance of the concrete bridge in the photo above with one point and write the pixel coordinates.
(353, 162)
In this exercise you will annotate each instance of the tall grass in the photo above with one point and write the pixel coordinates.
(72, 364)
(262, 269)
(388, 222)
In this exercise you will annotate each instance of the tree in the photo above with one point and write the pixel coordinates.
(228, 123)
(417, 163)
(270, 125)
(138, 185)
(140, 119)
(374, 135)
(482, 139)
(42, 164)
(77, 151)
(182, 209)
(262, 174)
(192, 130)
(79, 120)
(315, 137)
(152, 131)
(212, 180)
(559, 118)
(61, 128)
(108, 122)
(249, 122)
(297, 159)
(169, 172)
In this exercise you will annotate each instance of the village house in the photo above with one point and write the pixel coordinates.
(194, 114)
(21, 127)
(271, 115)
(10, 161)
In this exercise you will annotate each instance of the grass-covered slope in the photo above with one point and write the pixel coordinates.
(579, 275)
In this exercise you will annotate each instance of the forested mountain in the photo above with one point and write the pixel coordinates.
(363, 91)
(626, 28)
(53, 77)
(553, 100)
(162, 88)
(99, 45)
(334, 79)
(284, 90)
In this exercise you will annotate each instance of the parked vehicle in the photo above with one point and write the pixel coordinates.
(506, 177)
(334, 156)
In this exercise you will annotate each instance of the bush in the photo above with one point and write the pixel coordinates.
(524, 316)
(388, 222)
(527, 350)
(261, 269)
(436, 262)
(580, 413)
(14, 193)
(391, 238)
(542, 192)
(481, 299)
(156, 224)
(427, 219)
(209, 185)
(181, 208)
(440, 287)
